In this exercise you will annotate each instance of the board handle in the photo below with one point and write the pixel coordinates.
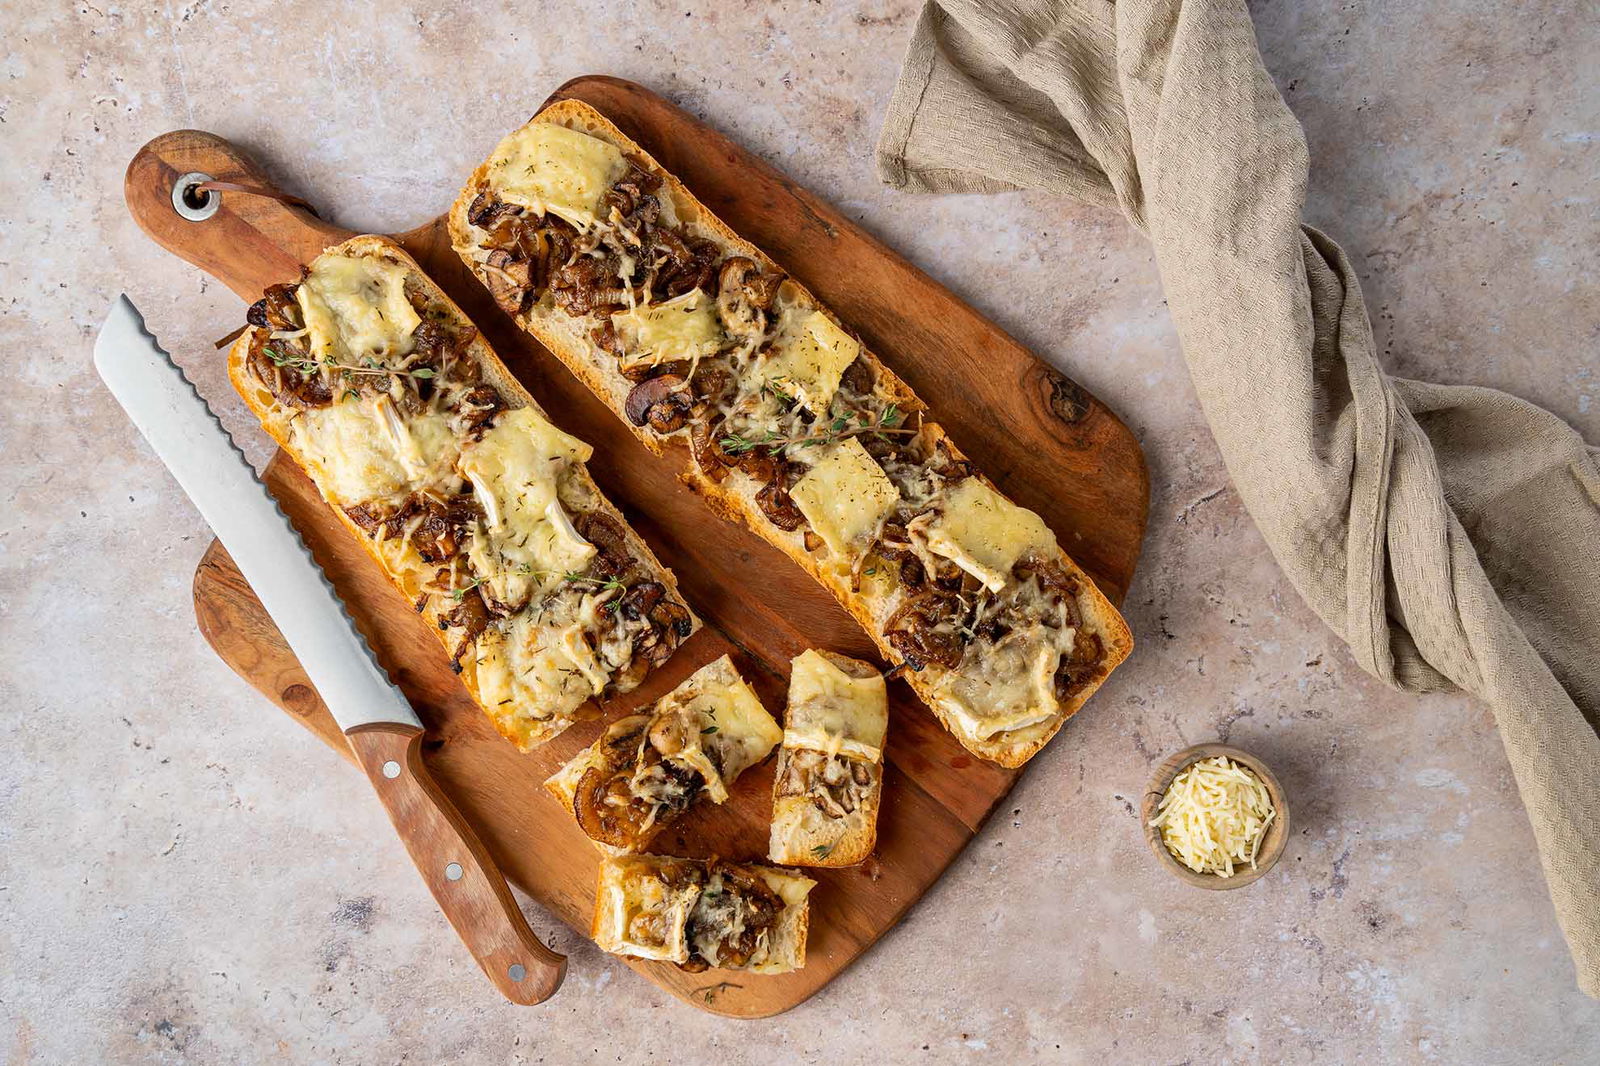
(247, 237)
(457, 868)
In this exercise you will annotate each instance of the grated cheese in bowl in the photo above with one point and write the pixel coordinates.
(1214, 815)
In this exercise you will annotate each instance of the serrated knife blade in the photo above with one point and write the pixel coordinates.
(213, 472)
(384, 732)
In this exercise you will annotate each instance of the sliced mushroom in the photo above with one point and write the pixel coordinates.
(705, 443)
(641, 599)
(509, 280)
(858, 377)
(471, 616)
(670, 734)
(612, 558)
(922, 630)
(776, 504)
(486, 212)
(289, 385)
(277, 309)
(659, 402)
(605, 338)
(672, 617)
(1081, 667)
(740, 316)
(827, 803)
(477, 408)
(605, 809)
(727, 926)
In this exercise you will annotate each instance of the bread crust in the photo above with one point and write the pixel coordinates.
(267, 411)
(800, 834)
(786, 949)
(734, 497)
(563, 784)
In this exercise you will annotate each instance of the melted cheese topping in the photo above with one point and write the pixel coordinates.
(685, 327)
(1005, 686)
(982, 532)
(641, 914)
(809, 356)
(351, 450)
(356, 308)
(640, 893)
(846, 496)
(533, 667)
(529, 540)
(1214, 815)
(733, 726)
(831, 711)
(550, 168)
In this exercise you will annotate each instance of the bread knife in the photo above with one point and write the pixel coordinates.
(382, 728)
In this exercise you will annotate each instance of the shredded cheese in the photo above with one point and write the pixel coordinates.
(1214, 816)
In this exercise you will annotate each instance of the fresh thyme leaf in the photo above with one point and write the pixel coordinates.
(708, 730)
(422, 372)
(821, 850)
(837, 429)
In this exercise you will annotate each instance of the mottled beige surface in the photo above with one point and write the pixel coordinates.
(186, 877)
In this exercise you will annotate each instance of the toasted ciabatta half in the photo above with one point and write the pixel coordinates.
(479, 510)
(695, 337)
(646, 769)
(830, 768)
(702, 913)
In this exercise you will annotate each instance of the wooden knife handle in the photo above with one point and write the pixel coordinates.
(457, 867)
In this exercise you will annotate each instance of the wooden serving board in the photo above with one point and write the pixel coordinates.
(1041, 437)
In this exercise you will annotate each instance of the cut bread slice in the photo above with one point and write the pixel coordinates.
(701, 913)
(829, 783)
(646, 770)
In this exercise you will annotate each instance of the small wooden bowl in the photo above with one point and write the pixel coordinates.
(1272, 844)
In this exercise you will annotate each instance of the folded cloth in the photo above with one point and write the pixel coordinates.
(1449, 534)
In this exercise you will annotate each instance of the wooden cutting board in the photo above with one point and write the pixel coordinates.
(1044, 439)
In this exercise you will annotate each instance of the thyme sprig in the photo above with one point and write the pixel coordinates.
(570, 576)
(709, 992)
(840, 427)
(305, 364)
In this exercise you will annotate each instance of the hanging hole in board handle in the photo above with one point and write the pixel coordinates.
(197, 196)
(191, 200)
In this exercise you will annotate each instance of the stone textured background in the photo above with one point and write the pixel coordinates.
(185, 877)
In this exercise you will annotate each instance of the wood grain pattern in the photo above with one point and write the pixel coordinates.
(1057, 450)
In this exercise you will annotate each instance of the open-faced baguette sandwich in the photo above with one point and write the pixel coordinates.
(646, 769)
(702, 913)
(695, 336)
(479, 510)
(830, 768)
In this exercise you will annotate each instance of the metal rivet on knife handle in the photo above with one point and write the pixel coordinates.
(391, 769)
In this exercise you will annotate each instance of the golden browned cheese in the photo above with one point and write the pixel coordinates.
(480, 511)
(793, 427)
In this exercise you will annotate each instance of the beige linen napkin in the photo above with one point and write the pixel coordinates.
(1450, 534)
